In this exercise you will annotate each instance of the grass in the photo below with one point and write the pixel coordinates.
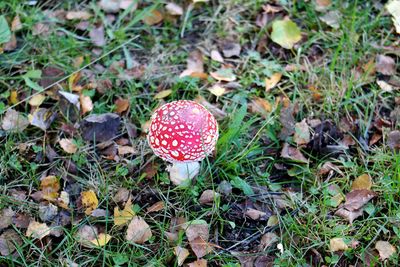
(248, 150)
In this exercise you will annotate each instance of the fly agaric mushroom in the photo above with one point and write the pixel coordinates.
(183, 133)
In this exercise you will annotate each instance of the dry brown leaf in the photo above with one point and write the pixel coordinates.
(302, 133)
(231, 49)
(181, 254)
(68, 145)
(337, 244)
(159, 205)
(138, 231)
(260, 105)
(89, 201)
(16, 24)
(216, 56)
(37, 230)
(272, 81)
(6, 216)
(121, 105)
(385, 249)
(123, 150)
(356, 199)
(154, 18)
(350, 216)
(14, 121)
(37, 100)
(385, 65)
(362, 182)
(268, 239)
(101, 240)
(194, 64)
(124, 216)
(86, 104)
(393, 140)
(197, 233)
(50, 187)
(11, 45)
(9, 241)
(292, 153)
(163, 94)
(97, 36)
(80, 15)
(86, 234)
(200, 247)
(208, 196)
(255, 214)
(174, 9)
(198, 263)
(225, 75)
(385, 86)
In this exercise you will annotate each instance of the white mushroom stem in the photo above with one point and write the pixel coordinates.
(181, 173)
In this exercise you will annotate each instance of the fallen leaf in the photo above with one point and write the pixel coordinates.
(86, 234)
(174, 9)
(292, 153)
(393, 7)
(208, 196)
(86, 104)
(97, 36)
(332, 18)
(41, 29)
(362, 182)
(124, 216)
(350, 216)
(11, 45)
(6, 217)
(121, 105)
(197, 232)
(122, 195)
(216, 56)
(260, 105)
(217, 90)
(225, 75)
(374, 139)
(322, 5)
(63, 200)
(13, 121)
(272, 81)
(13, 97)
(16, 24)
(89, 201)
(131, 4)
(385, 249)
(385, 65)
(302, 133)
(37, 230)
(194, 64)
(124, 150)
(159, 205)
(50, 186)
(153, 18)
(288, 122)
(255, 214)
(9, 241)
(386, 87)
(138, 231)
(198, 263)
(337, 244)
(393, 140)
(272, 221)
(231, 49)
(285, 33)
(181, 254)
(356, 199)
(272, 9)
(268, 239)
(79, 15)
(37, 100)
(110, 6)
(42, 118)
(101, 240)
(68, 145)
(100, 128)
(163, 94)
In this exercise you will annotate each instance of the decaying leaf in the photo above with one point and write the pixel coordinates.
(268, 239)
(393, 140)
(79, 15)
(100, 128)
(332, 18)
(273, 220)
(255, 214)
(285, 33)
(86, 104)
(86, 234)
(272, 81)
(385, 249)
(302, 133)
(197, 233)
(163, 94)
(159, 205)
(37, 100)
(6, 216)
(208, 196)
(198, 263)
(225, 75)
(50, 186)
(13, 121)
(337, 244)
(216, 56)
(322, 5)
(292, 153)
(260, 105)
(362, 182)
(385, 65)
(42, 118)
(9, 241)
(68, 145)
(393, 7)
(101, 240)
(124, 216)
(89, 201)
(356, 199)
(121, 105)
(181, 254)
(153, 18)
(194, 65)
(16, 24)
(97, 36)
(231, 49)
(138, 231)
(37, 230)
(350, 216)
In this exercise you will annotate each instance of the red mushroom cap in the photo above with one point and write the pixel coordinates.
(182, 131)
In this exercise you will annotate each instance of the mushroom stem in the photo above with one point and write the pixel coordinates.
(181, 173)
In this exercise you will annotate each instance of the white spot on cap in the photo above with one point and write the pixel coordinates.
(157, 141)
(174, 143)
(182, 126)
(175, 153)
(164, 143)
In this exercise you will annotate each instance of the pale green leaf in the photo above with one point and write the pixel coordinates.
(285, 33)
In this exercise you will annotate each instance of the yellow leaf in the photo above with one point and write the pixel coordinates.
(73, 79)
(217, 90)
(163, 94)
(89, 201)
(37, 230)
(50, 187)
(272, 221)
(362, 182)
(273, 81)
(13, 97)
(124, 216)
(101, 240)
(78, 61)
(68, 146)
(37, 100)
(337, 244)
